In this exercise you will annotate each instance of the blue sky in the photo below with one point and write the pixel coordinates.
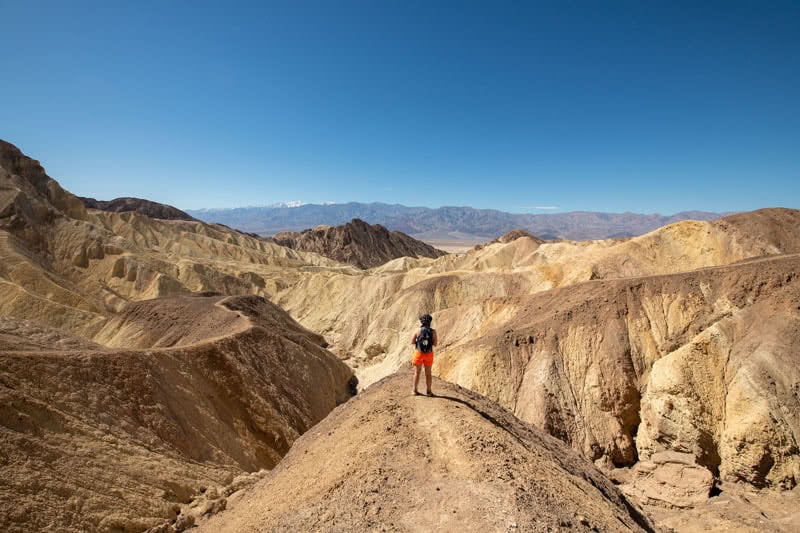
(602, 106)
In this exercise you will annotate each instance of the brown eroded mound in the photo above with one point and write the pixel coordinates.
(358, 243)
(391, 461)
(776, 226)
(117, 439)
(140, 205)
(28, 194)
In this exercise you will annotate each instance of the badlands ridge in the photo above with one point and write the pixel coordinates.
(154, 370)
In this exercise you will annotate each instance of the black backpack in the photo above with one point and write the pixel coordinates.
(425, 340)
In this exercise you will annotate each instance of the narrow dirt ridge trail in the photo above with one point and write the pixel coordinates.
(446, 455)
(390, 461)
(441, 505)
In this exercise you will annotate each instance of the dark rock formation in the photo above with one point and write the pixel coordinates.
(513, 235)
(357, 243)
(145, 207)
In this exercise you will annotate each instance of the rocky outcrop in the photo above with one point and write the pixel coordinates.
(670, 479)
(145, 207)
(455, 462)
(776, 226)
(733, 507)
(29, 198)
(357, 243)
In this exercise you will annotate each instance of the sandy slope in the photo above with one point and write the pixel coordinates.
(391, 461)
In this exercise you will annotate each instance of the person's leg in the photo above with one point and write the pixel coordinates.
(416, 378)
(428, 379)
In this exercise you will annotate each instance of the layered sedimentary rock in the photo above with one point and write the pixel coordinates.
(671, 479)
(515, 234)
(628, 368)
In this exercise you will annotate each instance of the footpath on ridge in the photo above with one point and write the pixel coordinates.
(389, 460)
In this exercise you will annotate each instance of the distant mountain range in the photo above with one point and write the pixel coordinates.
(445, 223)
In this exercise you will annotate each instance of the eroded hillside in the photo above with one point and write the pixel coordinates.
(139, 205)
(368, 318)
(97, 438)
(626, 368)
(114, 410)
(70, 267)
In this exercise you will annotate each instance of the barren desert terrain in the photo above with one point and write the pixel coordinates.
(164, 373)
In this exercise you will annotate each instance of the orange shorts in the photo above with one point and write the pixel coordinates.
(424, 359)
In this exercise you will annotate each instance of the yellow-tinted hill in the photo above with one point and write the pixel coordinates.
(703, 362)
(368, 317)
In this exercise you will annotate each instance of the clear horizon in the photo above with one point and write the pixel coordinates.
(523, 108)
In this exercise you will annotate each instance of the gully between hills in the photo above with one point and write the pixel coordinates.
(156, 371)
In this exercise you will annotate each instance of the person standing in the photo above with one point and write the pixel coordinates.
(424, 341)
